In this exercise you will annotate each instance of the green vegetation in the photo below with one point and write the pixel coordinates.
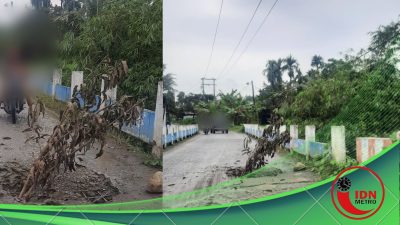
(324, 165)
(94, 32)
(237, 128)
(359, 91)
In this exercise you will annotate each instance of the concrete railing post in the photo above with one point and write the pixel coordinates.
(294, 135)
(282, 129)
(57, 79)
(159, 121)
(76, 80)
(111, 94)
(338, 140)
(310, 137)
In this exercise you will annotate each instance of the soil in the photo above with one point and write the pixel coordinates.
(276, 177)
(119, 175)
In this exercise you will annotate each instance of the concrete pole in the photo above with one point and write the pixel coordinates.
(310, 137)
(76, 80)
(159, 121)
(294, 135)
(282, 129)
(110, 93)
(57, 79)
(338, 140)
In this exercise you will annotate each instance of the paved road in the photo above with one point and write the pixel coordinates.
(201, 161)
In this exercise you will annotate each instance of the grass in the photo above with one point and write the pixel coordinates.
(135, 144)
(237, 128)
(324, 165)
(55, 106)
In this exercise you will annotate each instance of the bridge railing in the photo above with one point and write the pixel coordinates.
(174, 133)
(143, 130)
(309, 147)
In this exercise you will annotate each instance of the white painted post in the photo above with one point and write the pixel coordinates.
(294, 135)
(76, 80)
(110, 93)
(338, 140)
(310, 137)
(57, 78)
(282, 129)
(159, 120)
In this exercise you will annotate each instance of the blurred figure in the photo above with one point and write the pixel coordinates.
(25, 46)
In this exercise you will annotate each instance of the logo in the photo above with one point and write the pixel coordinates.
(361, 198)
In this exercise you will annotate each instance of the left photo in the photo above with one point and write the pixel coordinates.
(81, 101)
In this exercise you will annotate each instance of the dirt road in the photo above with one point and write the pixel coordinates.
(119, 175)
(201, 161)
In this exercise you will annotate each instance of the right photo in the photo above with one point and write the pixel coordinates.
(266, 97)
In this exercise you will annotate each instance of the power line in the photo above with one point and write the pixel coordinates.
(215, 36)
(255, 34)
(241, 38)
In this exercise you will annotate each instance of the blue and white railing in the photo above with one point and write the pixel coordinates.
(175, 133)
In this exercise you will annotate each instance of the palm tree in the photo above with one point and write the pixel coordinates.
(169, 82)
(317, 61)
(273, 72)
(291, 66)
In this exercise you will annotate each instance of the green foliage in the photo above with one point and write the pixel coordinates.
(188, 121)
(237, 108)
(373, 111)
(358, 91)
(237, 128)
(321, 99)
(122, 30)
(324, 165)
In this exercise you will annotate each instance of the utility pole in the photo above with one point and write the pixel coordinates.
(252, 89)
(203, 84)
(254, 99)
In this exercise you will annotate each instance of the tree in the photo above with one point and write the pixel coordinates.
(317, 62)
(291, 66)
(273, 72)
(169, 82)
(169, 96)
(385, 38)
(236, 107)
(41, 4)
(70, 5)
(128, 30)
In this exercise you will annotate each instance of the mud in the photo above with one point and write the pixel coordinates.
(72, 187)
(277, 176)
(119, 175)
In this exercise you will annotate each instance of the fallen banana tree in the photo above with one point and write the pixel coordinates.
(78, 131)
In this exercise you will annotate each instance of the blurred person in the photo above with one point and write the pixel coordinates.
(28, 44)
(15, 77)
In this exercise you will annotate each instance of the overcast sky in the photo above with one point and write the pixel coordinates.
(301, 28)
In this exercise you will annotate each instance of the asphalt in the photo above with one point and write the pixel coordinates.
(201, 161)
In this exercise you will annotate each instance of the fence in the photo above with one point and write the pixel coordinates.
(174, 133)
(366, 146)
(144, 130)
